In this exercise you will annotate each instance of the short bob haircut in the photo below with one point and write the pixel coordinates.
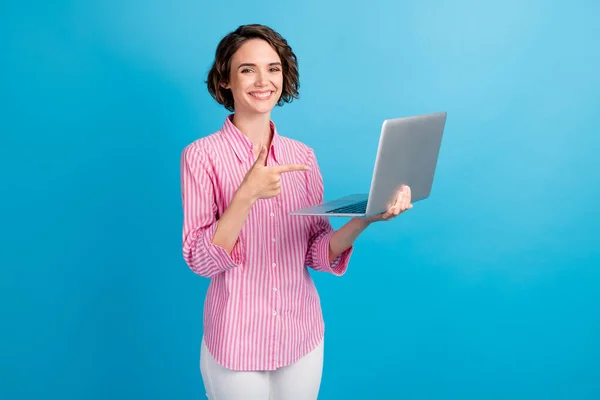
(219, 72)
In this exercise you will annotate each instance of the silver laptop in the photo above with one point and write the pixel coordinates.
(407, 154)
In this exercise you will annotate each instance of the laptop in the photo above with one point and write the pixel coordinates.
(407, 154)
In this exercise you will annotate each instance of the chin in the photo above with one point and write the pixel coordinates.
(263, 108)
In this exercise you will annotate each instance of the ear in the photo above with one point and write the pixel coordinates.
(224, 85)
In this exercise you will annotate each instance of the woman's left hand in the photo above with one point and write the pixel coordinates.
(401, 204)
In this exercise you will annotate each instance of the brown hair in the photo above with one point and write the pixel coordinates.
(221, 67)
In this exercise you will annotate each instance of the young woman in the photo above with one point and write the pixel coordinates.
(263, 325)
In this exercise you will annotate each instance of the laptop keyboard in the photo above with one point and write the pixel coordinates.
(357, 208)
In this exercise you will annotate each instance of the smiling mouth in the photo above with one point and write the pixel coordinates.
(261, 95)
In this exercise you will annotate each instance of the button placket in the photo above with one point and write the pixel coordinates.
(274, 230)
(276, 302)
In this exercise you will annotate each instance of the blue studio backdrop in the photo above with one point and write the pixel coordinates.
(487, 290)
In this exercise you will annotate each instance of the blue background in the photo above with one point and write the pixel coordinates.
(487, 290)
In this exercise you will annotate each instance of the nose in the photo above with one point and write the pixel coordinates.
(261, 79)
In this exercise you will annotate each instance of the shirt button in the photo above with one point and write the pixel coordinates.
(272, 214)
(273, 265)
(274, 289)
(273, 240)
(274, 312)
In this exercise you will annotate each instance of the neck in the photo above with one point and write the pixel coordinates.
(256, 127)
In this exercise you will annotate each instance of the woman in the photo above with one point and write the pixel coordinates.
(263, 325)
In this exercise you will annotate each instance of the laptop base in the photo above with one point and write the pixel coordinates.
(347, 206)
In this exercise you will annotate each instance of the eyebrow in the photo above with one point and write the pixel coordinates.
(254, 65)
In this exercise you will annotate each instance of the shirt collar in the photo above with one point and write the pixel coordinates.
(242, 146)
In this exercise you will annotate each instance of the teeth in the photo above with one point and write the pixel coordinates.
(261, 95)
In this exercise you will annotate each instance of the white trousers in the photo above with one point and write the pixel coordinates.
(298, 381)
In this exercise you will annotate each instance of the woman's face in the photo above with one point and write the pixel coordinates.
(255, 78)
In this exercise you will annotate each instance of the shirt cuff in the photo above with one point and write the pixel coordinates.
(223, 260)
(339, 265)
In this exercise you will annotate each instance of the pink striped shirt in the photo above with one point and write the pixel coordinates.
(262, 310)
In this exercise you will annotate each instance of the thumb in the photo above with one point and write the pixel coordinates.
(262, 156)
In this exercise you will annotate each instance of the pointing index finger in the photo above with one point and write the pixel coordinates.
(290, 168)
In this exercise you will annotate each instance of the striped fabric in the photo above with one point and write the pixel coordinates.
(262, 310)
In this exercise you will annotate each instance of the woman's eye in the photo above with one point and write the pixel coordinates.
(246, 70)
(274, 69)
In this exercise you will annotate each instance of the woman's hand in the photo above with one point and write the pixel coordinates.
(262, 182)
(401, 204)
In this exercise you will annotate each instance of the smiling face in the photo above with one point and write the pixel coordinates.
(255, 78)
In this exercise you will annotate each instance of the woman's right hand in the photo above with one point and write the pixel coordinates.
(263, 182)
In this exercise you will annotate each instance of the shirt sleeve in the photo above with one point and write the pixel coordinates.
(200, 218)
(317, 256)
